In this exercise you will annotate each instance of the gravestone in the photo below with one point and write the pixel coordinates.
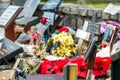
(7, 20)
(3, 6)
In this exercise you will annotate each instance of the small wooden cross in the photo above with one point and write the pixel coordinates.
(84, 36)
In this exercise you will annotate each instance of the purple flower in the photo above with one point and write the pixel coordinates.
(103, 27)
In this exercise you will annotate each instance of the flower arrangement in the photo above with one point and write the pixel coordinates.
(62, 44)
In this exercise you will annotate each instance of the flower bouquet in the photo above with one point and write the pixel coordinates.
(62, 44)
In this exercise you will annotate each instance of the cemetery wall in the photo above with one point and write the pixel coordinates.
(74, 15)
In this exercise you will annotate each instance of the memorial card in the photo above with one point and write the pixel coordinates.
(111, 9)
(109, 35)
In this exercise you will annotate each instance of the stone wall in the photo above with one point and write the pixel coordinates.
(74, 15)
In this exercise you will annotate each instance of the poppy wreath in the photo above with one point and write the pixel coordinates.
(56, 67)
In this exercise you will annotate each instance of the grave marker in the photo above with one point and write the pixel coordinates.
(82, 40)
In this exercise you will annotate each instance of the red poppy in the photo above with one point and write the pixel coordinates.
(63, 29)
(101, 66)
(46, 67)
(43, 20)
(82, 67)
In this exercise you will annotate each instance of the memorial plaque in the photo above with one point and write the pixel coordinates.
(93, 28)
(51, 5)
(8, 15)
(29, 8)
(3, 5)
(8, 49)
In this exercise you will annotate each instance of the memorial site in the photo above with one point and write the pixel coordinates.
(59, 40)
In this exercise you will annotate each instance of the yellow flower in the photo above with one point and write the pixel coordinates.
(73, 49)
(61, 53)
(56, 37)
(64, 34)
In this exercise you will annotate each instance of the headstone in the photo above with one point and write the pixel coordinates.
(51, 5)
(3, 5)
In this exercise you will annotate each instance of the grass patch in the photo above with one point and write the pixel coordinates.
(100, 5)
(96, 5)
